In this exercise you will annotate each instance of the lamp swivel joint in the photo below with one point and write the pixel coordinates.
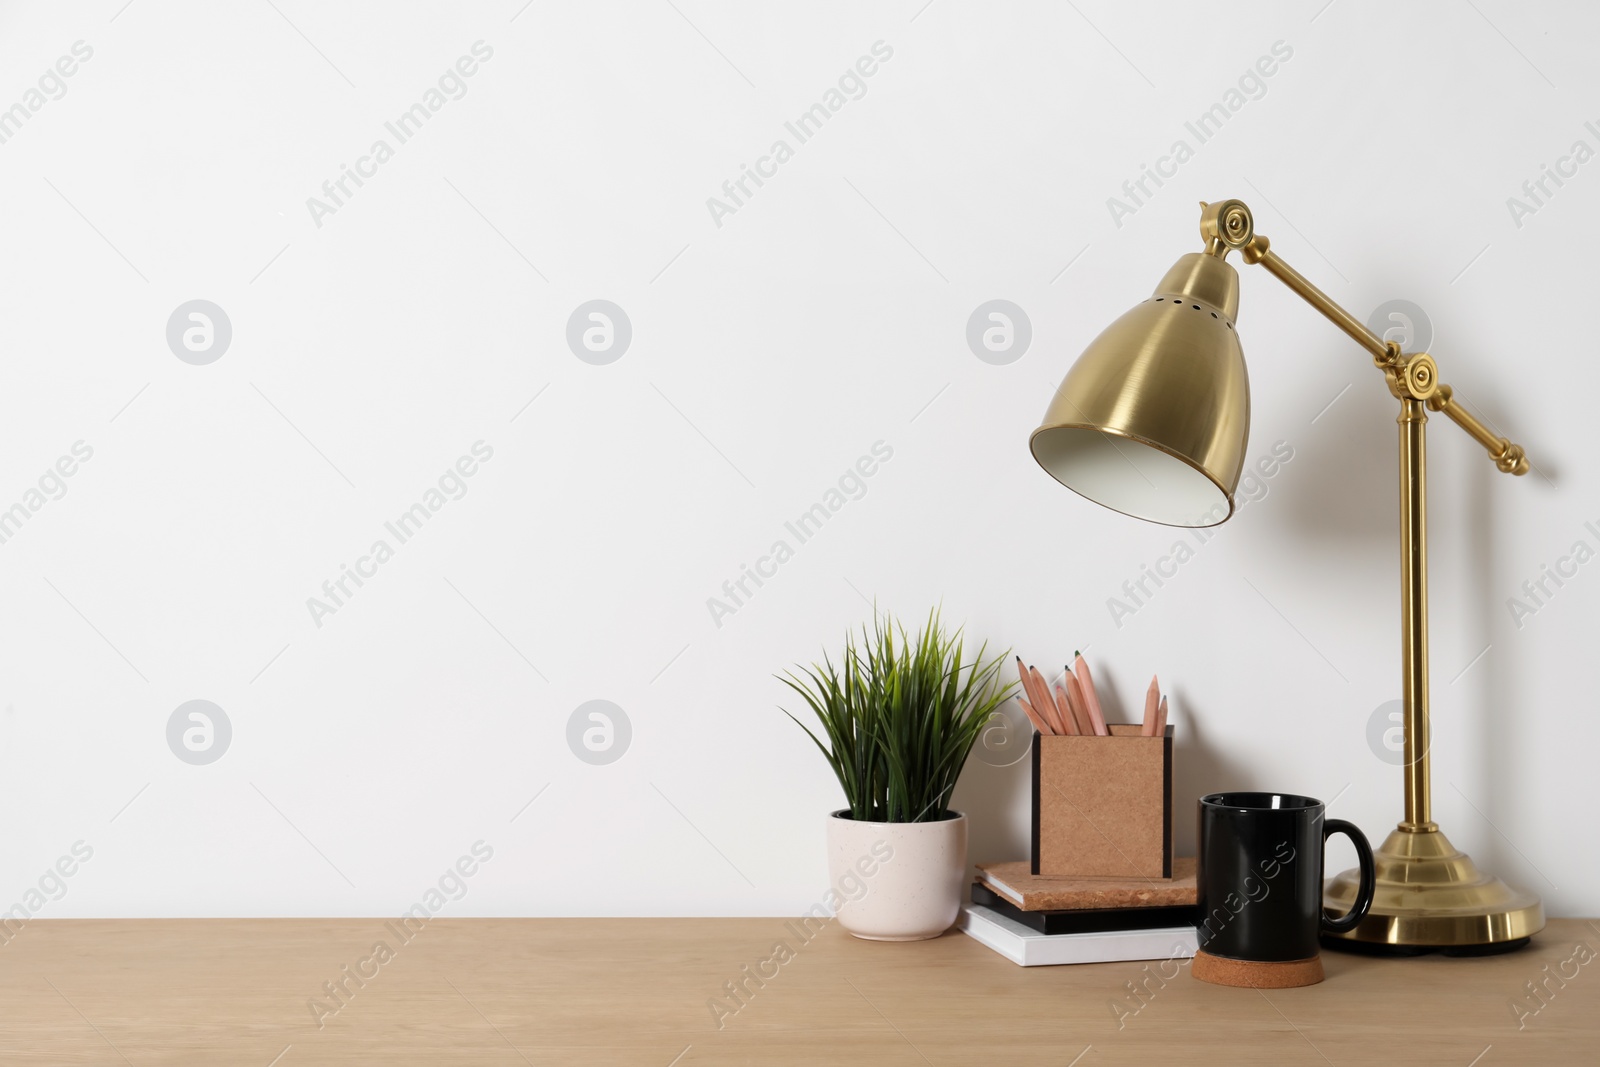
(1413, 377)
(1225, 225)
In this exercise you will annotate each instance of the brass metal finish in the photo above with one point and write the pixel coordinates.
(1428, 894)
(1226, 225)
(1414, 611)
(1414, 377)
(1177, 383)
(1510, 458)
(1156, 403)
(1259, 252)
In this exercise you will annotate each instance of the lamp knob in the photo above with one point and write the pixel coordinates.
(1421, 376)
(1225, 225)
(1415, 378)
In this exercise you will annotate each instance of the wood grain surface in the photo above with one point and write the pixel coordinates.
(640, 992)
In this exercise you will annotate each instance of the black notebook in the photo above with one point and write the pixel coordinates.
(1085, 920)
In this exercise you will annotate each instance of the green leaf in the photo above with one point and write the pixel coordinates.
(901, 715)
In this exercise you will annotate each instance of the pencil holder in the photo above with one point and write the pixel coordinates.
(1102, 806)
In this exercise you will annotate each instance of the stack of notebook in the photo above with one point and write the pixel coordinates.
(1035, 920)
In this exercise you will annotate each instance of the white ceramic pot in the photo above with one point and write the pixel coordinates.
(897, 881)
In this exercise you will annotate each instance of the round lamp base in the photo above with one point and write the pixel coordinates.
(1431, 896)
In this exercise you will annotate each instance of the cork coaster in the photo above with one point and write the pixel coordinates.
(1253, 974)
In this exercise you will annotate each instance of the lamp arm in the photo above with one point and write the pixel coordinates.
(1258, 250)
(1510, 458)
(1227, 225)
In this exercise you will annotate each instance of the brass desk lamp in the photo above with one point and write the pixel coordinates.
(1152, 421)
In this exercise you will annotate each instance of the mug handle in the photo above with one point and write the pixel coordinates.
(1358, 910)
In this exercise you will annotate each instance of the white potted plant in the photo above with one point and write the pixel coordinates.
(901, 715)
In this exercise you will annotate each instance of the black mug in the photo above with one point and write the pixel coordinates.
(1260, 876)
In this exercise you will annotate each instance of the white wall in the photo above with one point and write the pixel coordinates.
(768, 353)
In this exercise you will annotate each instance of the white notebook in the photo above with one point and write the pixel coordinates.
(1030, 948)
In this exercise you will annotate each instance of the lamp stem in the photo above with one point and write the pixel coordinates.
(1413, 422)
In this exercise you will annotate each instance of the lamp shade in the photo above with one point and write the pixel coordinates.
(1153, 418)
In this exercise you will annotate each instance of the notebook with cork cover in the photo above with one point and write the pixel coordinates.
(1016, 882)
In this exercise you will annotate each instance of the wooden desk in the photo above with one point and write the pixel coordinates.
(635, 991)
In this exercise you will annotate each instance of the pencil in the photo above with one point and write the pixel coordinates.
(1079, 708)
(1091, 699)
(1033, 717)
(1064, 708)
(1161, 717)
(1152, 705)
(1047, 700)
(1037, 701)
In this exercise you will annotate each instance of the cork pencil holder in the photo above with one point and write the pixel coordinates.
(1102, 806)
